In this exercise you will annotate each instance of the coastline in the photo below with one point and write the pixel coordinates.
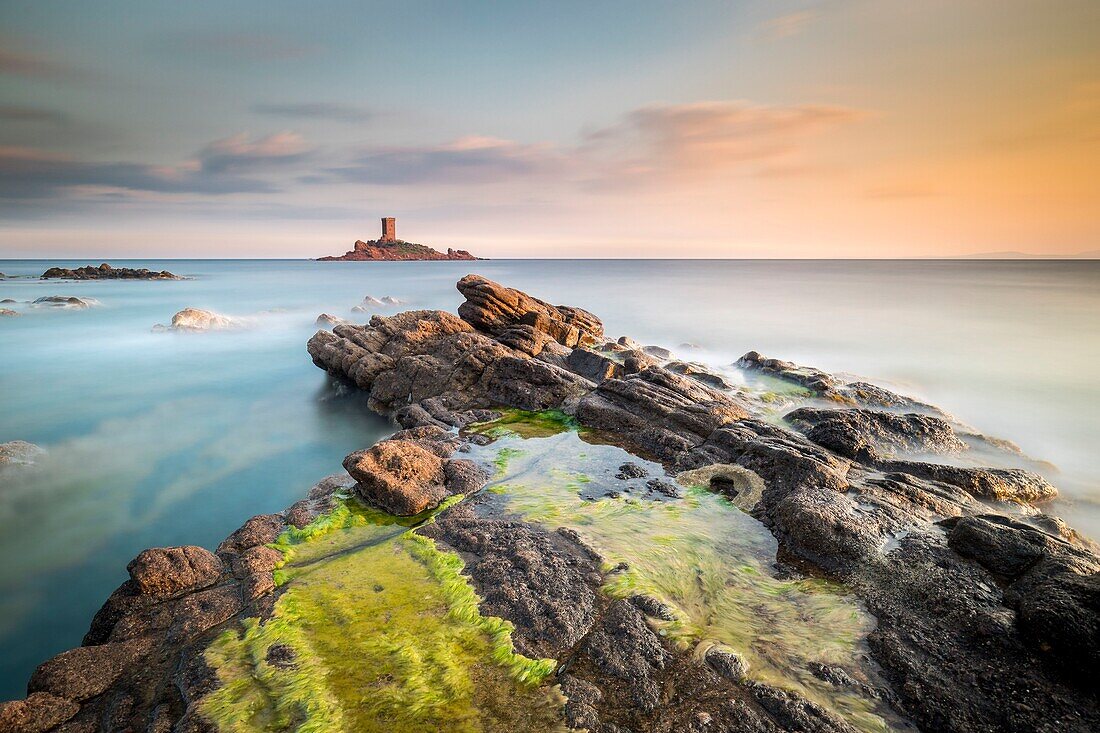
(532, 357)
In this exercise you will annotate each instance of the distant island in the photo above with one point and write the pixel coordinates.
(106, 272)
(389, 247)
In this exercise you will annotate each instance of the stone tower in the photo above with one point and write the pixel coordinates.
(389, 229)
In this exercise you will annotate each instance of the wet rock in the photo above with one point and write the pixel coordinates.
(67, 302)
(664, 488)
(624, 647)
(196, 319)
(166, 571)
(999, 484)
(580, 708)
(261, 529)
(106, 272)
(658, 352)
(629, 471)
(492, 308)
(698, 373)
(807, 377)
(84, 672)
(40, 712)
(398, 476)
(544, 582)
(653, 607)
(863, 434)
(281, 656)
(796, 713)
(592, 366)
(727, 663)
(19, 453)
(326, 320)
(8, 313)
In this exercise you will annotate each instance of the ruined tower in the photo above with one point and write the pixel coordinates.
(389, 229)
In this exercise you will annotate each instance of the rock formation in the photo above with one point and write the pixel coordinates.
(986, 610)
(377, 249)
(106, 272)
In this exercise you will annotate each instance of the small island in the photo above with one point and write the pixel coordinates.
(389, 247)
(106, 272)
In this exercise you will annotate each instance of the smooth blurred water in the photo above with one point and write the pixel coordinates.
(164, 438)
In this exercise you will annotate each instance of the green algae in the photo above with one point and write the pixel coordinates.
(527, 424)
(385, 635)
(701, 555)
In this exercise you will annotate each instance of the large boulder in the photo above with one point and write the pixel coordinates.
(166, 571)
(863, 434)
(197, 319)
(493, 308)
(398, 476)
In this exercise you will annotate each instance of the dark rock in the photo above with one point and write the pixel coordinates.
(281, 656)
(543, 582)
(106, 272)
(592, 366)
(862, 434)
(492, 308)
(166, 571)
(658, 352)
(629, 471)
(653, 607)
(727, 663)
(999, 484)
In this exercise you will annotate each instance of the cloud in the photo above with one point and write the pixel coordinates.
(14, 113)
(689, 140)
(785, 26)
(315, 110)
(466, 160)
(240, 153)
(237, 46)
(31, 173)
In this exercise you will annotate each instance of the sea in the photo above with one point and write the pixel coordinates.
(157, 438)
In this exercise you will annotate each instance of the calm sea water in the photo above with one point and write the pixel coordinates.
(162, 439)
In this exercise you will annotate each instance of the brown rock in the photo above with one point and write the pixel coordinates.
(86, 671)
(165, 571)
(37, 714)
(262, 529)
(398, 476)
(493, 308)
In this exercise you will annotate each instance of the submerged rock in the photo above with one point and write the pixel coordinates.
(19, 453)
(196, 319)
(326, 320)
(67, 302)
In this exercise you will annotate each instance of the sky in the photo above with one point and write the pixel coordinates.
(627, 128)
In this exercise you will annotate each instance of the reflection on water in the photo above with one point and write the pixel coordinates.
(158, 439)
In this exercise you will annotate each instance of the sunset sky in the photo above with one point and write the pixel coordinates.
(854, 128)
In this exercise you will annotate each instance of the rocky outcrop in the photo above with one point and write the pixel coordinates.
(985, 615)
(16, 453)
(106, 272)
(196, 319)
(396, 250)
(8, 313)
(496, 310)
(326, 320)
(404, 477)
(66, 302)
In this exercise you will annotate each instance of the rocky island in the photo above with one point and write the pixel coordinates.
(106, 272)
(570, 532)
(388, 247)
